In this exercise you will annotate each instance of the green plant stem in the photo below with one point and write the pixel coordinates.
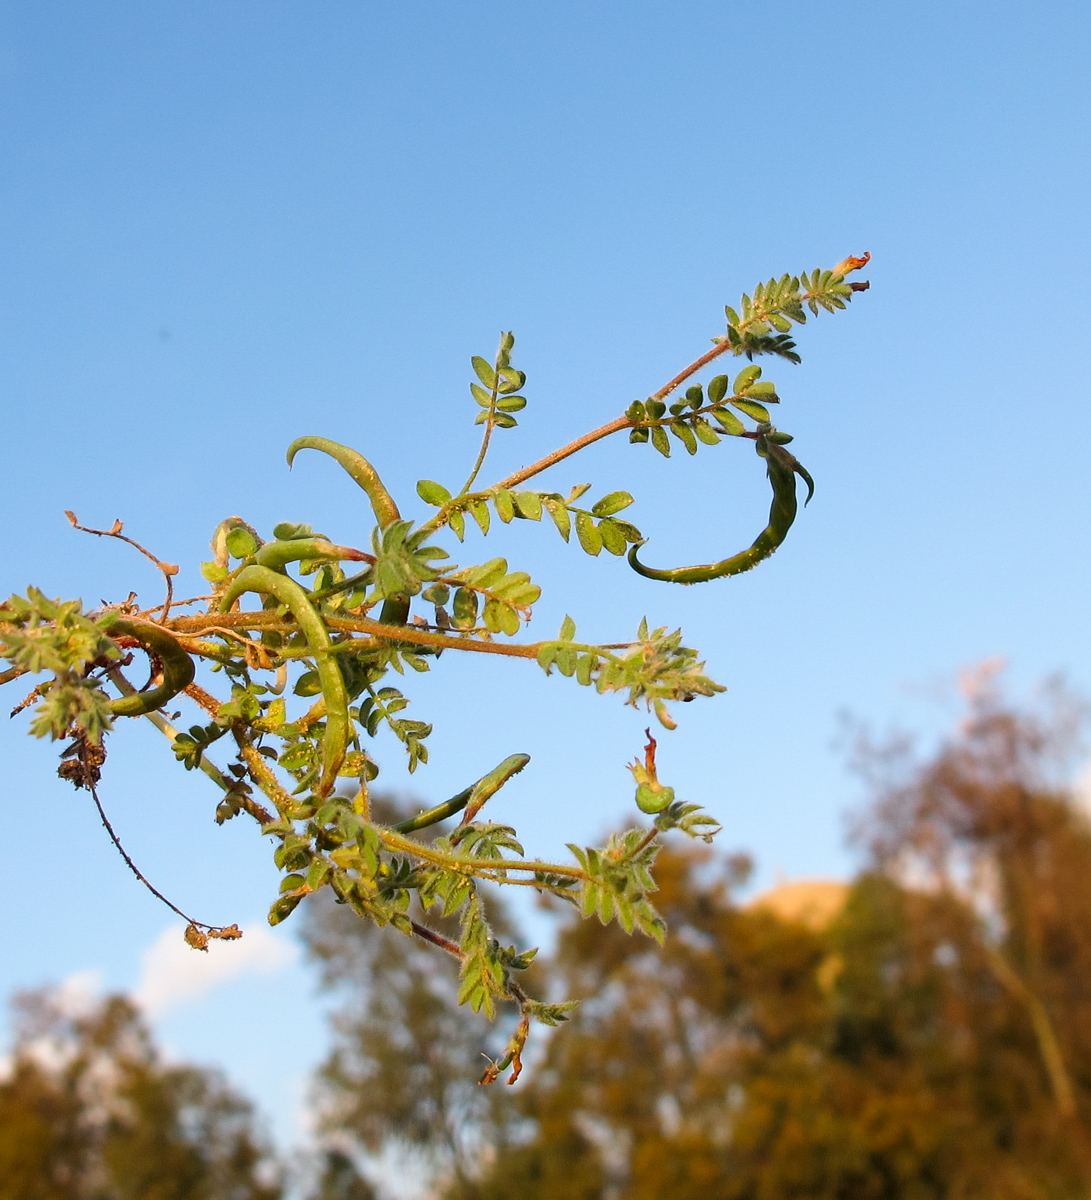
(213, 650)
(395, 841)
(269, 622)
(422, 637)
(354, 646)
(490, 425)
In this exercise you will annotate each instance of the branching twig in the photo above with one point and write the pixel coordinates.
(169, 569)
(179, 604)
(614, 426)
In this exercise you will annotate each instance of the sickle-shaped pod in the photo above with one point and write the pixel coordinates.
(277, 555)
(395, 610)
(268, 582)
(471, 798)
(178, 669)
(782, 469)
(359, 468)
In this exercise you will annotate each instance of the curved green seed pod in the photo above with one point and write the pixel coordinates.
(277, 555)
(267, 582)
(471, 798)
(359, 468)
(178, 669)
(782, 469)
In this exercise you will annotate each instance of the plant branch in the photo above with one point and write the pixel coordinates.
(143, 878)
(564, 452)
(269, 622)
(490, 425)
(169, 569)
(610, 427)
(260, 772)
(437, 939)
(1048, 1046)
(407, 846)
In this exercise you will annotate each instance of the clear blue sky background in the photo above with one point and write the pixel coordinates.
(225, 224)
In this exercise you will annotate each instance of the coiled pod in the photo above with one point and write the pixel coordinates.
(782, 469)
(178, 668)
(268, 582)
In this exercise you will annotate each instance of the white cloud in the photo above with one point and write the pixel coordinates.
(79, 993)
(174, 974)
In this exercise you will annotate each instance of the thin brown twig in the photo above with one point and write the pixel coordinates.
(614, 426)
(437, 939)
(14, 673)
(139, 874)
(178, 604)
(169, 569)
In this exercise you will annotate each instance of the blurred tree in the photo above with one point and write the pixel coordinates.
(341, 1180)
(400, 1078)
(932, 1041)
(89, 1112)
(990, 835)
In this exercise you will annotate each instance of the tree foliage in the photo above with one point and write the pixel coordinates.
(299, 679)
(929, 1041)
(89, 1111)
(396, 1080)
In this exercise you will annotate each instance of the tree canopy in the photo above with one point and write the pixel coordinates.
(90, 1111)
(927, 1039)
(920, 1034)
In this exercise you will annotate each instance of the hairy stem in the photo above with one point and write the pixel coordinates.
(270, 622)
(260, 772)
(395, 841)
(490, 424)
(615, 426)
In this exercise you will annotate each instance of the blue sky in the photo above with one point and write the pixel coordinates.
(228, 224)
